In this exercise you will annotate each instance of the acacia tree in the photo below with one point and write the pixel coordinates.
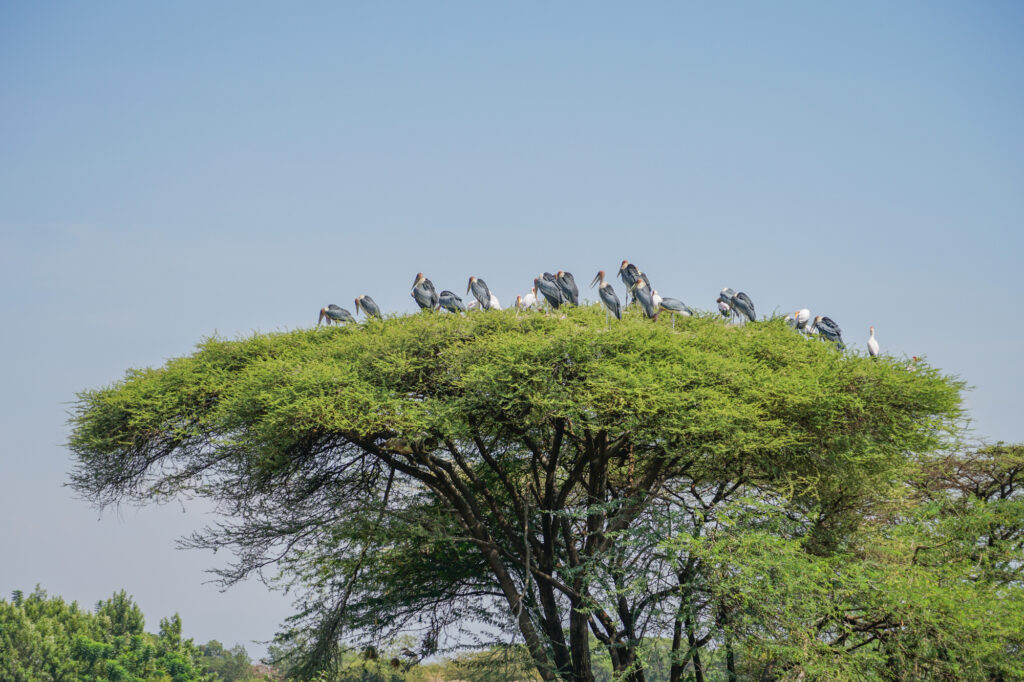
(516, 469)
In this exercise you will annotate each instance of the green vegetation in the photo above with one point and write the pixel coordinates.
(708, 502)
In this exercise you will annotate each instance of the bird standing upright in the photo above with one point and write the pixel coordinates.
(480, 292)
(369, 306)
(873, 344)
(608, 297)
(549, 289)
(424, 292)
(642, 293)
(567, 283)
(334, 314)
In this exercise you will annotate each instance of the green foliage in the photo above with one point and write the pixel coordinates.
(46, 639)
(550, 475)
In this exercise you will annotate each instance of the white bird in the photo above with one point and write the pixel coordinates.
(494, 302)
(873, 344)
(802, 317)
(656, 297)
(474, 304)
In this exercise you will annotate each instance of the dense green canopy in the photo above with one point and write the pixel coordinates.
(540, 455)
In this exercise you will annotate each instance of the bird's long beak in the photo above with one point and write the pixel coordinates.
(470, 285)
(419, 277)
(597, 278)
(323, 313)
(357, 306)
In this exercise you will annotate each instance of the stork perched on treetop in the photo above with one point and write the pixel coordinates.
(451, 302)
(566, 282)
(424, 293)
(334, 314)
(549, 289)
(642, 293)
(829, 329)
(608, 297)
(873, 344)
(480, 292)
(675, 307)
(369, 306)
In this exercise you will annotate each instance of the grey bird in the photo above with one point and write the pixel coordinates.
(334, 314)
(424, 292)
(369, 306)
(829, 329)
(642, 293)
(480, 292)
(451, 302)
(549, 289)
(567, 283)
(675, 307)
(608, 297)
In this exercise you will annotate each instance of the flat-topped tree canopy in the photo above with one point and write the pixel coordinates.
(542, 437)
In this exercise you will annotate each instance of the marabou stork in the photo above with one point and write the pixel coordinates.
(829, 329)
(742, 304)
(675, 307)
(451, 302)
(334, 314)
(369, 306)
(642, 293)
(608, 297)
(480, 292)
(723, 307)
(424, 292)
(549, 289)
(873, 344)
(566, 282)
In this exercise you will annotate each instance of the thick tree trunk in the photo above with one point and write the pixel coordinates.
(579, 642)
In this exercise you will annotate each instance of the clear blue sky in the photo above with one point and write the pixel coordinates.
(174, 170)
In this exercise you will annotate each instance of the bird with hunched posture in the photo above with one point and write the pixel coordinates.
(642, 293)
(723, 307)
(451, 302)
(656, 297)
(675, 307)
(829, 329)
(369, 306)
(549, 289)
(566, 282)
(873, 344)
(424, 292)
(334, 314)
(480, 292)
(608, 297)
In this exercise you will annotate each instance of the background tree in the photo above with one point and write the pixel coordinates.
(416, 472)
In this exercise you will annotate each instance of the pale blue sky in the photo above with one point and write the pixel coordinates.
(168, 171)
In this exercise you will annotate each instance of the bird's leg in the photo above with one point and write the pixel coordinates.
(673, 321)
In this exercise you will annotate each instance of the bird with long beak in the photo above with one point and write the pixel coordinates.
(723, 307)
(802, 317)
(424, 292)
(566, 282)
(334, 314)
(873, 344)
(368, 305)
(549, 290)
(642, 293)
(675, 307)
(529, 300)
(608, 297)
(829, 329)
(480, 292)
(629, 274)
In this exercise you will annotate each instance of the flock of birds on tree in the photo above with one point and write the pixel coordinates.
(556, 290)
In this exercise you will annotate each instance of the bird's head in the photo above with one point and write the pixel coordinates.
(872, 330)
(560, 274)
(624, 265)
(599, 277)
(358, 298)
(519, 301)
(419, 279)
(470, 284)
(323, 314)
(817, 319)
